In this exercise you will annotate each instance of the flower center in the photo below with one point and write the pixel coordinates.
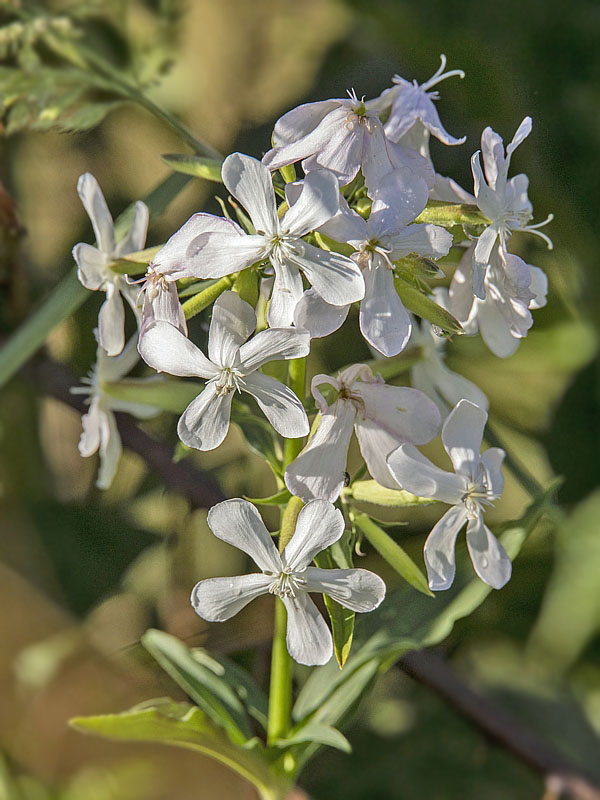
(368, 250)
(228, 380)
(478, 494)
(287, 584)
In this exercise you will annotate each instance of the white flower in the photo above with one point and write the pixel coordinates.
(100, 430)
(287, 575)
(413, 115)
(504, 202)
(94, 262)
(431, 375)
(379, 241)
(343, 136)
(232, 367)
(336, 278)
(383, 417)
(476, 483)
(511, 288)
(170, 264)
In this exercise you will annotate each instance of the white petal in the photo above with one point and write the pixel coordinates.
(238, 523)
(97, 210)
(318, 201)
(357, 589)
(176, 258)
(92, 265)
(483, 248)
(111, 322)
(430, 118)
(218, 253)
(487, 199)
(406, 158)
(454, 387)
(300, 121)
(135, 239)
(439, 549)
(376, 444)
(166, 349)
(490, 559)
(521, 134)
(287, 291)
(406, 413)
(205, 422)
(426, 240)
(538, 287)
(91, 422)
(318, 317)
(461, 288)
(399, 199)
(319, 525)
(496, 331)
(346, 226)
(462, 435)
(319, 470)
(110, 451)
(418, 475)
(219, 599)
(116, 367)
(308, 638)
(492, 150)
(384, 322)
(273, 344)
(335, 277)
(492, 461)
(279, 404)
(161, 304)
(232, 322)
(250, 182)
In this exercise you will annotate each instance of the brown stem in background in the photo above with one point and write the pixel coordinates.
(562, 777)
(183, 477)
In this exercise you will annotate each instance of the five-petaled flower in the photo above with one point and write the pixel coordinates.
(100, 432)
(504, 202)
(379, 241)
(412, 113)
(287, 575)
(336, 278)
(232, 366)
(93, 263)
(477, 483)
(383, 417)
(344, 136)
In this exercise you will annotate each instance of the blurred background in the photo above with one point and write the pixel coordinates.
(83, 573)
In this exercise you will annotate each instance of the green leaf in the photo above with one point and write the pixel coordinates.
(314, 732)
(201, 682)
(288, 173)
(449, 214)
(182, 725)
(395, 556)
(280, 498)
(342, 619)
(327, 243)
(207, 168)
(167, 395)
(423, 306)
(247, 285)
(251, 695)
(373, 492)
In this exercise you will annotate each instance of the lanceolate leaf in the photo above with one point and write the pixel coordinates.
(342, 619)
(207, 168)
(449, 214)
(314, 732)
(372, 492)
(203, 685)
(168, 395)
(281, 498)
(423, 306)
(182, 725)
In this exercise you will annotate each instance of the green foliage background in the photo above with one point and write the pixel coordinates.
(83, 574)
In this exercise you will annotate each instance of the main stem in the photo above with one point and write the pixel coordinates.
(280, 689)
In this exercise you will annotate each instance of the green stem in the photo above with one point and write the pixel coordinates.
(207, 296)
(297, 383)
(65, 298)
(134, 94)
(280, 688)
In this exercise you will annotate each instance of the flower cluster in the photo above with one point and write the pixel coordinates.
(364, 228)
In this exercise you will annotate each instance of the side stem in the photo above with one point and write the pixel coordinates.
(297, 383)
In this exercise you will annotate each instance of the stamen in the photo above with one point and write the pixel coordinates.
(440, 75)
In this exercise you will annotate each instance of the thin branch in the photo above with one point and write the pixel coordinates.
(432, 670)
(183, 477)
